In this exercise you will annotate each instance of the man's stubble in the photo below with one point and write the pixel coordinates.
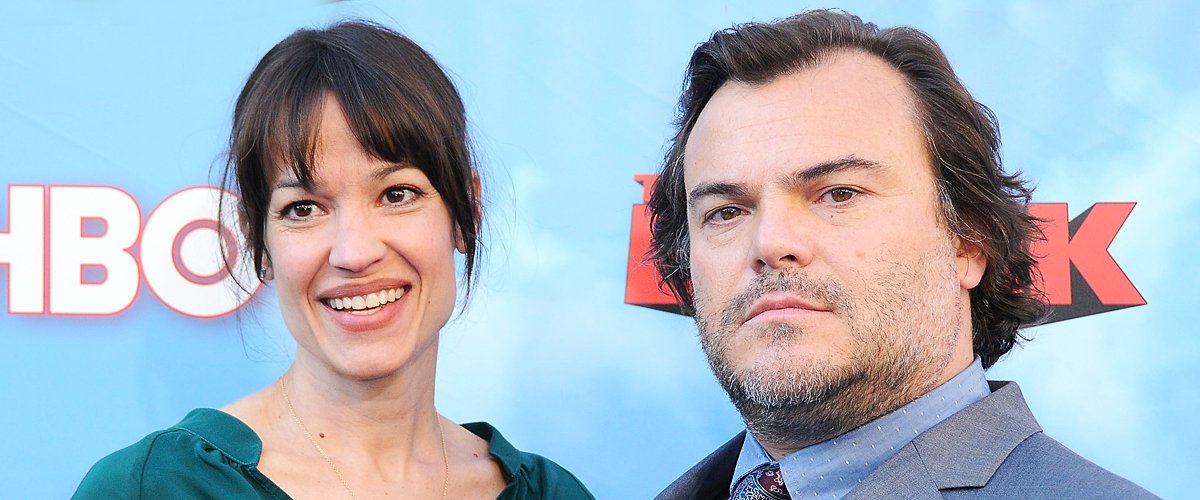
(903, 328)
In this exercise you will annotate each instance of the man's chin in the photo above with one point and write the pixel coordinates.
(796, 408)
(780, 385)
(794, 368)
(784, 347)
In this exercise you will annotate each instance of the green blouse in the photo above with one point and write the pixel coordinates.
(211, 454)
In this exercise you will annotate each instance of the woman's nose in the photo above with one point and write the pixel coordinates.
(356, 244)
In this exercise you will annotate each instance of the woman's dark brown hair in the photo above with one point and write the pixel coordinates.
(399, 103)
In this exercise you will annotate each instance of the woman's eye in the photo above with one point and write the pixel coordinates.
(300, 210)
(399, 195)
(840, 195)
(725, 214)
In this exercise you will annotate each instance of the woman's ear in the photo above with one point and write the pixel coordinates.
(460, 243)
(266, 273)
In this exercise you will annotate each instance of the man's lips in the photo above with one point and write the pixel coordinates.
(782, 304)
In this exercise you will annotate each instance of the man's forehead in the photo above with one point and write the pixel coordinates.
(851, 105)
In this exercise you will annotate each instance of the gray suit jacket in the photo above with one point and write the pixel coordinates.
(991, 449)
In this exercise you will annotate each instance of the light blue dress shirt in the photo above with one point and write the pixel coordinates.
(832, 468)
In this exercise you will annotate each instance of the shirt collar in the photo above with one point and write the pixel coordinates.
(832, 468)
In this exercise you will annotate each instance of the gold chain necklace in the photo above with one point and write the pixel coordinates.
(292, 410)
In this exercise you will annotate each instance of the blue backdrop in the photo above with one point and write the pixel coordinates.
(1097, 103)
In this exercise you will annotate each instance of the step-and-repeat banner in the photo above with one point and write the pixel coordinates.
(114, 118)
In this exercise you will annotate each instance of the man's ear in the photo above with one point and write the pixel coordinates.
(971, 263)
(460, 243)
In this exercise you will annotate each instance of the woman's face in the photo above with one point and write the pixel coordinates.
(363, 262)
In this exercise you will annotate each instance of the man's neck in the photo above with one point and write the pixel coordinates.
(834, 417)
(851, 456)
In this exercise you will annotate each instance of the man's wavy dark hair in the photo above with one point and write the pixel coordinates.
(980, 202)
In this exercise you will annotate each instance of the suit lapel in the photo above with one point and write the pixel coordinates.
(902, 476)
(966, 449)
(709, 479)
(963, 451)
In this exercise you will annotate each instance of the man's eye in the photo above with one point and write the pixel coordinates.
(725, 214)
(840, 195)
(399, 195)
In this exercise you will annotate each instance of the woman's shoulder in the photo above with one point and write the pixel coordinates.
(529, 475)
(208, 451)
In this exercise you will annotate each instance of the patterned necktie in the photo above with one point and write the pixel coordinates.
(763, 483)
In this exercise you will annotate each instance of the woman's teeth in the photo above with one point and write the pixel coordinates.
(364, 302)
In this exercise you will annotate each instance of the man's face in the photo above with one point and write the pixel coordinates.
(821, 268)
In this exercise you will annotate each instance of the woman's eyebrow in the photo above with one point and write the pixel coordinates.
(286, 182)
(383, 171)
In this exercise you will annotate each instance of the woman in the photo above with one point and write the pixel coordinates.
(349, 150)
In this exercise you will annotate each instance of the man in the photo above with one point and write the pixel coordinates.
(834, 214)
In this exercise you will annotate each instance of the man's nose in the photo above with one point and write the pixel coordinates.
(782, 238)
(357, 243)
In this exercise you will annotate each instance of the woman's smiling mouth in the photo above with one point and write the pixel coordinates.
(366, 304)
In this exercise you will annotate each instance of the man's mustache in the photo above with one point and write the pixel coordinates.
(817, 291)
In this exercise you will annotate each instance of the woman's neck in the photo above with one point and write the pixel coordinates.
(391, 417)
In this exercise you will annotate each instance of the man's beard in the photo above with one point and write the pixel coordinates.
(897, 347)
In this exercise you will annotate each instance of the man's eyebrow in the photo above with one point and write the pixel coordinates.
(724, 189)
(798, 178)
(849, 162)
